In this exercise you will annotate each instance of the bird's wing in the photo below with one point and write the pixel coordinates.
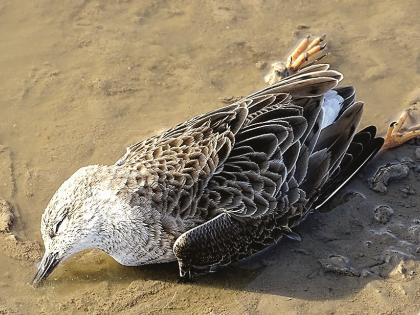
(272, 151)
(174, 167)
(276, 169)
(253, 181)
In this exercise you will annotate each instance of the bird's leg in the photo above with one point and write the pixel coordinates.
(298, 51)
(397, 135)
(299, 58)
(307, 52)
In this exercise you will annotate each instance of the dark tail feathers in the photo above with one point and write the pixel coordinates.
(362, 149)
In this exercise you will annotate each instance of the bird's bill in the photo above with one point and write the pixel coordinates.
(46, 266)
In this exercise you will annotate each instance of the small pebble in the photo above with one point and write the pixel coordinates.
(383, 214)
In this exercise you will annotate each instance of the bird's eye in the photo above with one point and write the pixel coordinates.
(57, 225)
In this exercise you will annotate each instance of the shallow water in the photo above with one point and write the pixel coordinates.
(81, 80)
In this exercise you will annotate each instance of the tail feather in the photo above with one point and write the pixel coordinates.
(348, 93)
(354, 161)
(349, 150)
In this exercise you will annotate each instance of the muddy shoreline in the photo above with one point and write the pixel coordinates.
(352, 252)
(81, 80)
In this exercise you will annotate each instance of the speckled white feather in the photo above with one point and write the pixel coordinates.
(92, 209)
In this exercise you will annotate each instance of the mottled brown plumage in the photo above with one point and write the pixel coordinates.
(224, 185)
(247, 172)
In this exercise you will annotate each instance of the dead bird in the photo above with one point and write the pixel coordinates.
(221, 186)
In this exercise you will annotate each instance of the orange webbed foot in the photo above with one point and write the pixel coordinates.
(397, 134)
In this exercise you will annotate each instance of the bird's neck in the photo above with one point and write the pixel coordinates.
(132, 230)
(135, 236)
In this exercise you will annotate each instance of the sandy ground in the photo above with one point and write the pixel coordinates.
(80, 80)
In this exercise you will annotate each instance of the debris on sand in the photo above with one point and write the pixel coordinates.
(408, 190)
(342, 199)
(393, 255)
(383, 214)
(414, 233)
(404, 270)
(417, 154)
(24, 251)
(6, 216)
(10, 245)
(340, 265)
(261, 65)
(386, 173)
(230, 99)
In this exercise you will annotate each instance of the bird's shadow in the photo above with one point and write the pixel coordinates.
(364, 249)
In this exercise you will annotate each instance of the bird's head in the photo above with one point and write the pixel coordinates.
(74, 218)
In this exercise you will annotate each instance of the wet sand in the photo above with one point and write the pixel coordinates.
(81, 80)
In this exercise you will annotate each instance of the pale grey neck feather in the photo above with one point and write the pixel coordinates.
(135, 236)
(103, 210)
(131, 230)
